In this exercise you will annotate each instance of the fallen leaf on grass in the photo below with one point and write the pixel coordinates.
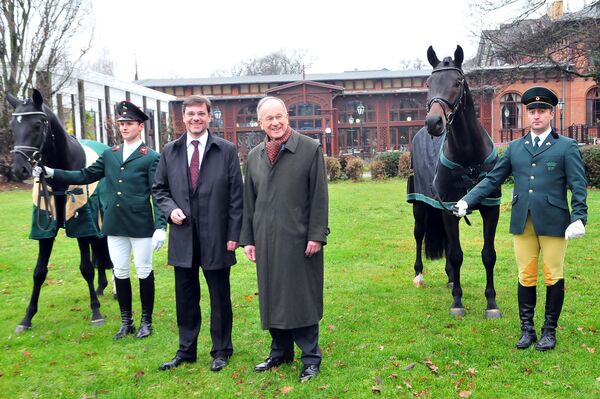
(26, 354)
(331, 327)
(408, 367)
(381, 347)
(407, 384)
(377, 380)
(547, 382)
(286, 390)
(590, 349)
(138, 374)
(464, 394)
(421, 394)
(471, 372)
(527, 371)
(431, 366)
(393, 376)
(248, 298)
(90, 354)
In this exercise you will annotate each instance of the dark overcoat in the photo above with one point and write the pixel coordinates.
(285, 206)
(541, 178)
(129, 211)
(219, 198)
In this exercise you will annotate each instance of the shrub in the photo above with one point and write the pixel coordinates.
(378, 170)
(591, 160)
(354, 168)
(390, 161)
(343, 161)
(404, 169)
(334, 171)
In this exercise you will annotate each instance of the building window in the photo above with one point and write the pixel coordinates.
(306, 117)
(510, 111)
(592, 100)
(408, 108)
(246, 117)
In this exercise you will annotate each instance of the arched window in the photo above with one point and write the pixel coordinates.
(510, 111)
(306, 117)
(592, 106)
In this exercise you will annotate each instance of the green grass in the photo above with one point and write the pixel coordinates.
(380, 336)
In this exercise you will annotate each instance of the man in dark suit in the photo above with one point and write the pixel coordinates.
(544, 164)
(128, 221)
(198, 186)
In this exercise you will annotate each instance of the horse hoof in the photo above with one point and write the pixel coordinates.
(493, 314)
(419, 281)
(450, 285)
(99, 322)
(457, 312)
(21, 328)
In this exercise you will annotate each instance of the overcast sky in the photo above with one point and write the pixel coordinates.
(192, 39)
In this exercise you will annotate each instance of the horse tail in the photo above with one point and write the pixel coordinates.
(435, 236)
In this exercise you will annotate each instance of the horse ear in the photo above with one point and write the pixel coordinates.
(459, 56)
(38, 100)
(432, 57)
(12, 100)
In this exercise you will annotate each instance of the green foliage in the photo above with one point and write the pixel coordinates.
(404, 169)
(334, 170)
(501, 151)
(591, 159)
(378, 170)
(380, 336)
(391, 161)
(354, 168)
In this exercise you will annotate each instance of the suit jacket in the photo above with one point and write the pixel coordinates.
(541, 181)
(129, 211)
(218, 199)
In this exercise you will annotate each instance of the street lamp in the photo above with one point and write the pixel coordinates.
(217, 114)
(360, 109)
(351, 122)
(561, 106)
(328, 139)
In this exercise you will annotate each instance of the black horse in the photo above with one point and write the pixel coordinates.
(450, 154)
(39, 138)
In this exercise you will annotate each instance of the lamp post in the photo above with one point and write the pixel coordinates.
(561, 106)
(217, 114)
(328, 139)
(351, 122)
(506, 115)
(360, 109)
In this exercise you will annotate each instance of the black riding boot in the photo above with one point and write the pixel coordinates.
(124, 298)
(555, 296)
(147, 297)
(527, 300)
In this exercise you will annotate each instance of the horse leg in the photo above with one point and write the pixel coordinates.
(419, 234)
(101, 261)
(39, 276)
(490, 217)
(449, 271)
(87, 271)
(455, 257)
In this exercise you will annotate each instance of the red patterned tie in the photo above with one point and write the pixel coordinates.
(195, 164)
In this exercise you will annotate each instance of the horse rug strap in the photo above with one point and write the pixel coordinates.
(75, 199)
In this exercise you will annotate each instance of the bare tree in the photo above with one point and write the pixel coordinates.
(415, 64)
(103, 63)
(567, 42)
(275, 63)
(38, 43)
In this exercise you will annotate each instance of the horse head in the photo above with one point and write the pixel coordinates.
(446, 90)
(30, 127)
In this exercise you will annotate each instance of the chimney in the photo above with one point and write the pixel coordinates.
(556, 10)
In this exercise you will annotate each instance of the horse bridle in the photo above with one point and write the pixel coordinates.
(36, 152)
(454, 107)
(36, 159)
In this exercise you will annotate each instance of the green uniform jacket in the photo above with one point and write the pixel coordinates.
(128, 210)
(541, 181)
(285, 206)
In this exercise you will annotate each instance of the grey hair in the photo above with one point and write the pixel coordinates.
(267, 98)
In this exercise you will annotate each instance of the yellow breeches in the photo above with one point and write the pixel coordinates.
(528, 246)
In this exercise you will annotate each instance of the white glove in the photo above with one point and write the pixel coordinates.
(38, 170)
(158, 238)
(460, 209)
(575, 230)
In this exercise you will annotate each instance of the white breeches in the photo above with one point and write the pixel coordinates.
(120, 249)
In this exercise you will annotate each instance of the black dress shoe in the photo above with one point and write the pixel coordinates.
(175, 362)
(218, 363)
(124, 330)
(309, 371)
(272, 362)
(548, 340)
(145, 330)
(527, 339)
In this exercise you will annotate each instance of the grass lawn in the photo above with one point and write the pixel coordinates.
(380, 336)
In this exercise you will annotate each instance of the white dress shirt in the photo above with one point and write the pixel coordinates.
(201, 147)
(541, 136)
(129, 149)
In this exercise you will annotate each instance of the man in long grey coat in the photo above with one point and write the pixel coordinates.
(284, 228)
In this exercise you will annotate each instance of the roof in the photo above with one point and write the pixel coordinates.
(257, 79)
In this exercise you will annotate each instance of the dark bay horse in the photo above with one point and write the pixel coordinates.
(450, 154)
(39, 138)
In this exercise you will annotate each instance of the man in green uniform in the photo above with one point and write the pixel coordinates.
(131, 222)
(543, 164)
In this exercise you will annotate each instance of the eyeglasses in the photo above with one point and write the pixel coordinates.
(199, 114)
(278, 118)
